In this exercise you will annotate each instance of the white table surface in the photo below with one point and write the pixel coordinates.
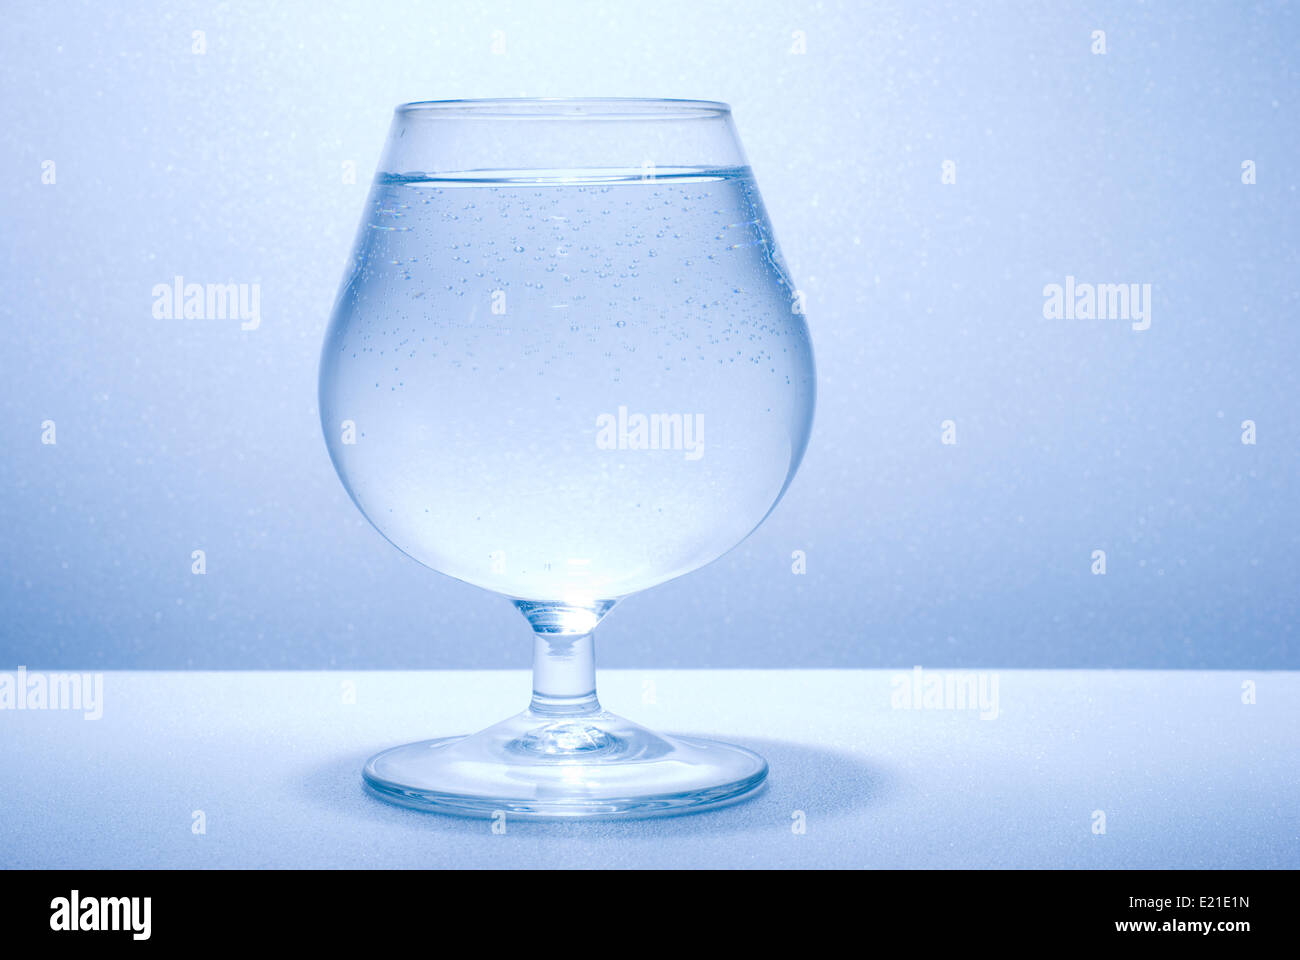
(1186, 773)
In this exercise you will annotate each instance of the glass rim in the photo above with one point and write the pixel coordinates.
(567, 108)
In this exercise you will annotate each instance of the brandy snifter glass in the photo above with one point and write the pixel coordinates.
(566, 364)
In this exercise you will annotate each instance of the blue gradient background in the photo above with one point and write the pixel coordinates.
(925, 302)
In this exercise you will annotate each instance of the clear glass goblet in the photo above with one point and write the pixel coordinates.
(567, 363)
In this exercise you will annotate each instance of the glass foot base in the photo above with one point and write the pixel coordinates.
(593, 766)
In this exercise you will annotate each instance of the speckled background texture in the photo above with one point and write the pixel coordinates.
(1181, 771)
(925, 300)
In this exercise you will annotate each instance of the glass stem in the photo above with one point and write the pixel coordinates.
(564, 675)
(564, 656)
